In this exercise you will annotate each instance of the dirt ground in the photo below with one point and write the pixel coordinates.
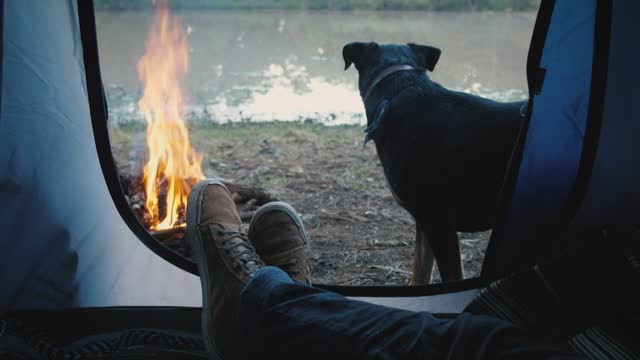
(359, 234)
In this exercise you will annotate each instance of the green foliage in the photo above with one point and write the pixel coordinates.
(431, 5)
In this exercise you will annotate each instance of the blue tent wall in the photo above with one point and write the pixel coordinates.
(576, 172)
(610, 189)
(552, 148)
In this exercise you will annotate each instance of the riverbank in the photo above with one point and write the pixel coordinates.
(359, 234)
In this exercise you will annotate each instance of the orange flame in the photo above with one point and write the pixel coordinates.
(171, 157)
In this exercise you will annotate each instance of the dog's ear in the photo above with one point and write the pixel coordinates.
(352, 53)
(427, 55)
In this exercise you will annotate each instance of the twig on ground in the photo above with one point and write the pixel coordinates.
(349, 216)
(391, 269)
(325, 213)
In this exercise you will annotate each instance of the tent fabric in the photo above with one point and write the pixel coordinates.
(552, 149)
(613, 182)
(556, 299)
(575, 171)
(114, 333)
(64, 242)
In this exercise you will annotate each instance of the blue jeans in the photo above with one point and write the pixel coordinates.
(286, 319)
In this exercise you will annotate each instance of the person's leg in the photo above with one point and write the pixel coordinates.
(252, 310)
(289, 319)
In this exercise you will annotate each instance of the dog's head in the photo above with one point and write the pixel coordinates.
(370, 58)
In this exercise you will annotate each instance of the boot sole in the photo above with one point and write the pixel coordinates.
(197, 248)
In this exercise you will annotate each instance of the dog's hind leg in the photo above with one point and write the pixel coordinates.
(443, 239)
(423, 259)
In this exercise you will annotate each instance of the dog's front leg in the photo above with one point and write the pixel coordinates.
(423, 259)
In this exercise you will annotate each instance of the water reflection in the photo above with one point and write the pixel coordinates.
(287, 92)
(264, 66)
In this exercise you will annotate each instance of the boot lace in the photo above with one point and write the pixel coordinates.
(241, 253)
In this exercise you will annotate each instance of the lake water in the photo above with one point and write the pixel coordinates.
(287, 65)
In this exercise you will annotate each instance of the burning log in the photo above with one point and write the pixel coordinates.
(247, 199)
(249, 196)
(174, 239)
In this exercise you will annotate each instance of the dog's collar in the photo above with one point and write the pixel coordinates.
(386, 72)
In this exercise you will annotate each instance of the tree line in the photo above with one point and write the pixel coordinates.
(428, 5)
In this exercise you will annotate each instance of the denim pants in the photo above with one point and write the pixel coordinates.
(284, 319)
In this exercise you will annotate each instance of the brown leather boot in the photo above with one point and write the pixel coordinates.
(277, 233)
(225, 259)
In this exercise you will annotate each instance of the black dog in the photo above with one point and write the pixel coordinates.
(444, 153)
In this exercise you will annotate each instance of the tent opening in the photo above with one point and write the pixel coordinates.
(257, 96)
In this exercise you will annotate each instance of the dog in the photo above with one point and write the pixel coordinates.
(444, 153)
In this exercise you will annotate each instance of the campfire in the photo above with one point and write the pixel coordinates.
(173, 164)
(158, 194)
